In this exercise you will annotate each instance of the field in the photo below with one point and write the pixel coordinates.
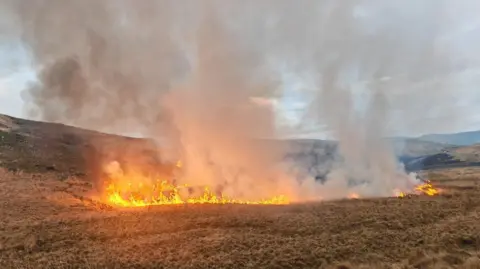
(47, 220)
(47, 223)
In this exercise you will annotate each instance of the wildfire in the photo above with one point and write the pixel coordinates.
(164, 193)
(426, 188)
(137, 191)
(132, 189)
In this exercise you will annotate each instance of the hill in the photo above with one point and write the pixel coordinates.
(461, 139)
(33, 146)
(48, 221)
(450, 157)
(39, 146)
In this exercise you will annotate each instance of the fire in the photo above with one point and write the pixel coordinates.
(134, 190)
(426, 188)
(165, 193)
(143, 192)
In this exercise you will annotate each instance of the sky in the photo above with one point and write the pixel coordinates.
(16, 73)
(416, 109)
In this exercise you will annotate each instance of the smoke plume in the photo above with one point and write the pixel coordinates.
(187, 74)
(351, 60)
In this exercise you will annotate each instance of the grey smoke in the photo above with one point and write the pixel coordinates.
(351, 55)
(186, 73)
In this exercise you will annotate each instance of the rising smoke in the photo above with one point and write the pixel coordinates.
(186, 73)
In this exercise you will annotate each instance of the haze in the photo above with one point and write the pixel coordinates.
(203, 78)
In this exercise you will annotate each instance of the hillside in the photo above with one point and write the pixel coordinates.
(32, 146)
(461, 139)
(48, 219)
(38, 146)
(451, 157)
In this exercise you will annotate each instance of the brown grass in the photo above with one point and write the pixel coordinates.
(48, 223)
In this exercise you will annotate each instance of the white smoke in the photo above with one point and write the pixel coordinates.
(185, 73)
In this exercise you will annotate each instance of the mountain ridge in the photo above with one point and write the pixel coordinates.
(459, 138)
(27, 144)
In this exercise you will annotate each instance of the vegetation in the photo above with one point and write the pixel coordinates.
(48, 223)
(48, 220)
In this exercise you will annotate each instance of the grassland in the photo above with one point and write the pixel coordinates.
(48, 220)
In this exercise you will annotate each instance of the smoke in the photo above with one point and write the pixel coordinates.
(358, 57)
(190, 74)
(354, 59)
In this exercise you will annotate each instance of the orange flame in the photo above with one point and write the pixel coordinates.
(143, 192)
(426, 189)
(169, 194)
(122, 193)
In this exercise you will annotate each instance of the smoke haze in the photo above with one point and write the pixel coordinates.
(192, 75)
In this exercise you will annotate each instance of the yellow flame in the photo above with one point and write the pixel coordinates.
(427, 188)
(168, 194)
(147, 191)
(121, 192)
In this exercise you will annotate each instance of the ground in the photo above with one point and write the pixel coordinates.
(47, 223)
(48, 220)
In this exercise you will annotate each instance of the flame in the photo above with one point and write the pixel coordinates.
(165, 193)
(135, 190)
(121, 192)
(426, 189)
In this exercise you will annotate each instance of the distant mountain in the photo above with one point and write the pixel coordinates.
(461, 150)
(464, 156)
(319, 157)
(413, 147)
(461, 139)
(40, 146)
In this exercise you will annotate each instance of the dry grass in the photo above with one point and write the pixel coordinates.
(45, 223)
(460, 178)
(468, 153)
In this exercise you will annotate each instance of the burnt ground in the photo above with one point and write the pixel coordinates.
(48, 221)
